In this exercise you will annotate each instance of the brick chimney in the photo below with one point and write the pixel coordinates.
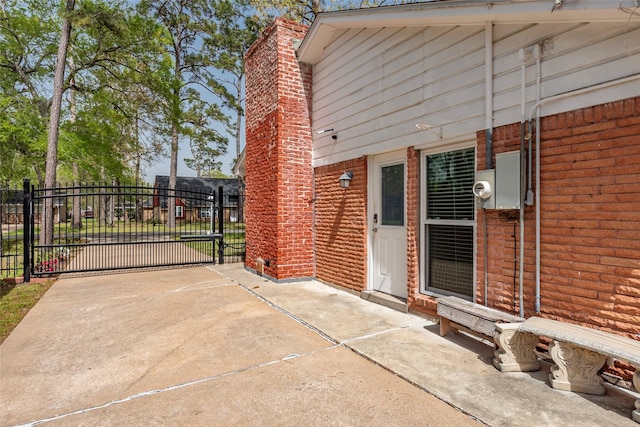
(279, 172)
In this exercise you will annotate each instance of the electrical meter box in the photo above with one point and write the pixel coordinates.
(484, 189)
(507, 194)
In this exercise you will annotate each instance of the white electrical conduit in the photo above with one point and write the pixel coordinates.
(529, 198)
(536, 109)
(523, 83)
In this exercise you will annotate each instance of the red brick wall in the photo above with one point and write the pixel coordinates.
(590, 221)
(504, 239)
(341, 225)
(261, 178)
(414, 299)
(279, 178)
(590, 208)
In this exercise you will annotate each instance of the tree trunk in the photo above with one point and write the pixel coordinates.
(175, 141)
(76, 211)
(102, 199)
(138, 177)
(239, 116)
(46, 232)
(173, 178)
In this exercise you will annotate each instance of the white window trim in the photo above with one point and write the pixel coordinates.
(423, 214)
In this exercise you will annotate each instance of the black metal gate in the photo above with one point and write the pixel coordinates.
(111, 227)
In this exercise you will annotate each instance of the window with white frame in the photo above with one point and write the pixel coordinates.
(449, 221)
(179, 211)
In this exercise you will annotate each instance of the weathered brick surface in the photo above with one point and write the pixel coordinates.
(590, 221)
(413, 228)
(341, 225)
(279, 178)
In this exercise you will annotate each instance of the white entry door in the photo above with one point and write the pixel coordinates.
(388, 224)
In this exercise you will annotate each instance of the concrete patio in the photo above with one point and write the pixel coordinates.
(221, 346)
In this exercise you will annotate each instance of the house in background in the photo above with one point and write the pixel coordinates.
(492, 151)
(12, 208)
(194, 201)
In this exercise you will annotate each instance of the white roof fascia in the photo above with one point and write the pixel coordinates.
(239, 169)
(458, 12)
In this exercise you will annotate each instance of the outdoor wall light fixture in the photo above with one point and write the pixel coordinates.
(422, 127)
(345, 179)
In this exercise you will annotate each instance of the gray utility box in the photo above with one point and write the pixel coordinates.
(499, 188)
(508, 180)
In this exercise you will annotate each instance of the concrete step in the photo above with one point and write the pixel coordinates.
(387, 300)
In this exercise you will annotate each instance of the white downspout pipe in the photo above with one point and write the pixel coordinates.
(488, 61)
(536, 109)
(537, 53)
(488, 91)
(523, 69)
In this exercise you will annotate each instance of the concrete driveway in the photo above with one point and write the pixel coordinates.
(193, 347)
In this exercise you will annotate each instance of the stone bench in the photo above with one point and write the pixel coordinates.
(456, 313)
(578, 353)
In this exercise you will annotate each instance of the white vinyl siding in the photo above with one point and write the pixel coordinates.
(373, 85)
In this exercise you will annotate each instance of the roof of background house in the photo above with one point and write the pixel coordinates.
(192, 187)
(201, 185)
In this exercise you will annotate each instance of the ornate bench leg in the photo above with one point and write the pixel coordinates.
(513, 350)
(636, 383)
(576, 368)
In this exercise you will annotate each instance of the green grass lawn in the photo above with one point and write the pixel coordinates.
(16, 301)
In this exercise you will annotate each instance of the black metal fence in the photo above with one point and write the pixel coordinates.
(106, 227)
(11, 232)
